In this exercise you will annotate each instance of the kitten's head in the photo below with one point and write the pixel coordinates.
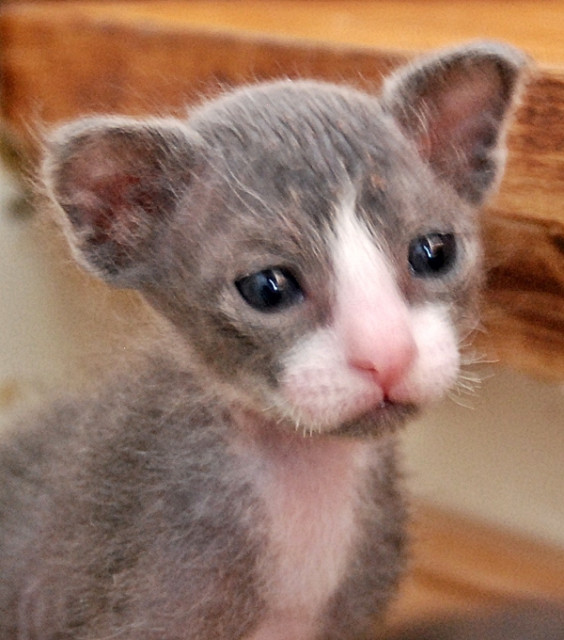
(315, 247)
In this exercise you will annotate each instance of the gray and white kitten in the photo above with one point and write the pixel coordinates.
(314, 251)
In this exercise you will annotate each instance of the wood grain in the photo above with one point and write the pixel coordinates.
(459, 564)
(63, 59)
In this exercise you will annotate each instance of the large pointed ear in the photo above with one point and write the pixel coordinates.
(117, 181)
(454, 106)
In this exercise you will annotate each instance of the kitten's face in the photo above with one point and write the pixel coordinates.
(314, 246)
(335, 274)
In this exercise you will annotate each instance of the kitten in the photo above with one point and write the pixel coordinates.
(315, 255)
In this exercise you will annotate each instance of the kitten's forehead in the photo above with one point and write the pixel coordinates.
(294, 132)
(353, 245)
(284, 161)
(284, 157)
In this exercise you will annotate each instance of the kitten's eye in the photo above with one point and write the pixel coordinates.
(432, 254)
(270, 290)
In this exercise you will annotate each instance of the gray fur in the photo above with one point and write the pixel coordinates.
(131, 513)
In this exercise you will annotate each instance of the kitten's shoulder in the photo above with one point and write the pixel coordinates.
(136, 402)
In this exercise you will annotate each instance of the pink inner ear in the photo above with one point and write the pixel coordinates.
(107, 207)
(104, 192)
(461, 117)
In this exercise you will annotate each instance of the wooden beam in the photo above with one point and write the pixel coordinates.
(458, 564)
(60, 60)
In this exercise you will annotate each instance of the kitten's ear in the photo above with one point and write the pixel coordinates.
(117, 181)
(454, 106)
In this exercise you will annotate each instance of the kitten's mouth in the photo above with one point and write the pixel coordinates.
(371, 421)
(357, 406)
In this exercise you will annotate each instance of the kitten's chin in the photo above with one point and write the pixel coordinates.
(385, 418)
(371, 421)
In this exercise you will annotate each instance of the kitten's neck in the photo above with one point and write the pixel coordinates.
(311, 488)
(269, 433)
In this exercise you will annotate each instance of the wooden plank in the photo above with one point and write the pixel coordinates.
(523, 310)
(60, 60)
(410, 25)
(459, 564)
(139, 67)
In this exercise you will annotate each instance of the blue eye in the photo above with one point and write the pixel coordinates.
(432, 254)
(270, 290)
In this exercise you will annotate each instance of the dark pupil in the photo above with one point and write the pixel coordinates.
(270, 290)
(432, 254)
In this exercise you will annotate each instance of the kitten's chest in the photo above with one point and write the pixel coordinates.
(311, 490)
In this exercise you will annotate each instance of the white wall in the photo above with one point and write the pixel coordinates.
(503, 460)
(56, 322)
(33, 347)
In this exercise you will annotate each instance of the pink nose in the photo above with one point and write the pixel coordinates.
(372, 316)
(377, 335)
(382, 348)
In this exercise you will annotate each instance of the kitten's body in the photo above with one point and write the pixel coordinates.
(229, 529)
(316, 255)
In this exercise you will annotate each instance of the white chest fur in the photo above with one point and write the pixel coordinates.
(311, 489)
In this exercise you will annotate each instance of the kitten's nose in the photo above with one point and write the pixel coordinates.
(373, 319)
(386, 350)
(378, 338)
